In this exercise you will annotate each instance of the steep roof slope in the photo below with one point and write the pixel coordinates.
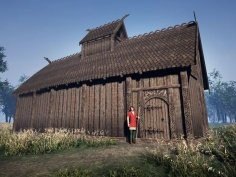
(168, 48)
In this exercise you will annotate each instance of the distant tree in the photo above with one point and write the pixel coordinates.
(23, 78)
(221, 100)
(3, 64)
(8, 101)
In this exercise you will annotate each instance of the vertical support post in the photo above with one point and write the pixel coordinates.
(171, 121)
(186, 104)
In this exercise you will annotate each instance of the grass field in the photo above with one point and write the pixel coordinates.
(213, 155)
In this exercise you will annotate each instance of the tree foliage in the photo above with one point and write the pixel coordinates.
(8, 101)
(221, 99)
(3, 64)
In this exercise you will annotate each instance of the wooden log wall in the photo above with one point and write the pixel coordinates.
(92, 107)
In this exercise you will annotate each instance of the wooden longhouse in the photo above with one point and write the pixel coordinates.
(162, 74)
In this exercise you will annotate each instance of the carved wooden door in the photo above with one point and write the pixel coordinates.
(155, 123)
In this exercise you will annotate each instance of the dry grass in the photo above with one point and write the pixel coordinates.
(33, 142)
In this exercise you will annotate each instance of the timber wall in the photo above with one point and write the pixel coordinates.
(103, 107)
(95, 107)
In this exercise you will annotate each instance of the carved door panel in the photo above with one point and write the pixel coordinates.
(155, 118)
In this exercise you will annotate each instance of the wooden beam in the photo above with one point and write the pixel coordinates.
(186, 104)
(156, 87)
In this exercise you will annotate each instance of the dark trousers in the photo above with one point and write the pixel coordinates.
(132, 136)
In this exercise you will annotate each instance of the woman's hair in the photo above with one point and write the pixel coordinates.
(130, 108)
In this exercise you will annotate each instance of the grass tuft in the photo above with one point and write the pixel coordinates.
(33, 142)
(215, 155)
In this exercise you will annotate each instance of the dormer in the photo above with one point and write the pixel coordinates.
(103, 38)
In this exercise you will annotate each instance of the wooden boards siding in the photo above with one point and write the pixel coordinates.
(97, 108)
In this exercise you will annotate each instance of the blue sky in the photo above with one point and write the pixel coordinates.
(32, 29)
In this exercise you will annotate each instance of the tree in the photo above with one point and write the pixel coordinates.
(3, 64)
(23, 78)
(8, 101)
(221, 100)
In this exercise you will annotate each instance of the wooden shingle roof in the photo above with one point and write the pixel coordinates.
(168, 48)
(105, 30)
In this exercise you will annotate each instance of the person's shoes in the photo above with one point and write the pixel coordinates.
(134, 141)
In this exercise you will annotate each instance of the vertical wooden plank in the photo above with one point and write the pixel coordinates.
(81, 102)
(39, 112)
(72, 108)
(76, 108)
(91, 108)
(26, 112)
(53, 108)
(186, 103)
(102, 108)
(97, 107)
(146, 83)
(15, 123)
(171, 110)
(157, 112)
(128, 92)
(68, 108)
(57, 108)
(36, 112)
(114, 109)
(86, 106)
(43, 111)
(60, 113)
(64, 109)
(121, 109)
(23, 113)
(108, 108)
(48, 109)
(18, 115)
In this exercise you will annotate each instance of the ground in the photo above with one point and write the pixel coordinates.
(96, 159)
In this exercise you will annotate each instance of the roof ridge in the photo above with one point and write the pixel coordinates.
(161, 30)
(104, 25)
(66, 57)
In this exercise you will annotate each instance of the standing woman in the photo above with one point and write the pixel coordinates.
(132, 124)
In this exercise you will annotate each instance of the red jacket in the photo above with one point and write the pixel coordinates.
(132, 119)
